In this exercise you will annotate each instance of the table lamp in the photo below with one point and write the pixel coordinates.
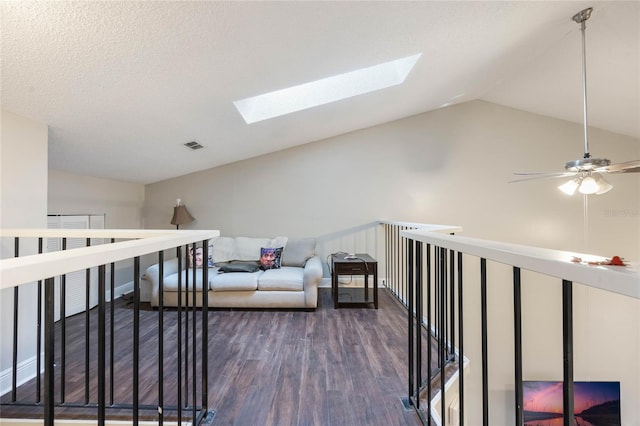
(181, 215)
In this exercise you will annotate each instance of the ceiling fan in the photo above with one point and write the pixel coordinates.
(586, 173)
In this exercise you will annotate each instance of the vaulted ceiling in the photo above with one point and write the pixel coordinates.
(123, 85)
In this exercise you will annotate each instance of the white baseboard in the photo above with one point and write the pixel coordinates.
(26, 371)
(119, 291)
(145, 290)
(27, 368)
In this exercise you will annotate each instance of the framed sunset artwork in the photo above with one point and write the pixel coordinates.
(595, 403)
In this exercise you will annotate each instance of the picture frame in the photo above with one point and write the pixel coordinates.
(595, 403)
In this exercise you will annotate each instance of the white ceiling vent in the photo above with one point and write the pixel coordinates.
(193, 145)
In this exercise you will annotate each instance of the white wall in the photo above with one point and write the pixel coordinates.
(120, 202)
(29, 192)
(23, 204)
(448, 166)
(451, 166)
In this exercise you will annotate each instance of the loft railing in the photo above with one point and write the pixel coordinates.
(396, 253)
(99, 393)
(423, 335)
(425, 270)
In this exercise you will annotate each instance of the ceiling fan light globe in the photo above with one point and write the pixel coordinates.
(604, 189)
(604, 186)
(569, 187)
(588, 186)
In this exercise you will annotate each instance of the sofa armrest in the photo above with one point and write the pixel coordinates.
(312, 276)
(312, 271)
(153, 276)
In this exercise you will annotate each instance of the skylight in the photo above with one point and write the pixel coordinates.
(326, 90)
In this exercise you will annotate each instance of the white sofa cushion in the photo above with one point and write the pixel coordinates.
(234, 281)
(284, 278)
(171, 281)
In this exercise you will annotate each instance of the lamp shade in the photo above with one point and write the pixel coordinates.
(181, 216)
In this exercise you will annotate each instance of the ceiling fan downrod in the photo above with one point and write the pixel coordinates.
(581, 18)
(586, 172)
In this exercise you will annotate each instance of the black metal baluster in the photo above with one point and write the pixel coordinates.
(401, 289)
(418, 281)
(389, 241)
(438, 304)
(402, 286)
(460, 342)
(39, 332)
(194, 355)
(436, 298)
(517, 336)
(161, 338)
(430, 335)
(443, 334)
(205, 326)
(445, 307)
(87, 334)
(413, 395)
(16, 301)
(49, 341)
(63, 331)
(179, 259)
(485, 363)
(111, 327)
(452, 311)
(102, 342)
(567, 352)
(186, 329)
(136, 338)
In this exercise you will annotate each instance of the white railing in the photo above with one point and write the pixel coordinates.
(432, 272)
(125, 245)
(556, 263)
(24, 269)
(395, 252)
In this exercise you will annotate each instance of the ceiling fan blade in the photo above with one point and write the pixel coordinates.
(626, 167)
(538, 175)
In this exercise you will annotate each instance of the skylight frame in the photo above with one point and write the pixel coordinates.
(326, 90)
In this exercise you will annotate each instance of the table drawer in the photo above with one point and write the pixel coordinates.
(349, 268)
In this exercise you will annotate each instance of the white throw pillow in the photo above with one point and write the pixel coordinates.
(298, 251)
(222, 249)
(279, 242)
(249, 248)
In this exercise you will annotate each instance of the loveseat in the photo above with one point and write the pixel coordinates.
(293, 283)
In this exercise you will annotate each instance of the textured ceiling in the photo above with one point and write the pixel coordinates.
(122, 85)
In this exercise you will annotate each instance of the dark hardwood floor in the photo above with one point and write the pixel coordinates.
(266, 367)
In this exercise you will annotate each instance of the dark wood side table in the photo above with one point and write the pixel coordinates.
(364, 265)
